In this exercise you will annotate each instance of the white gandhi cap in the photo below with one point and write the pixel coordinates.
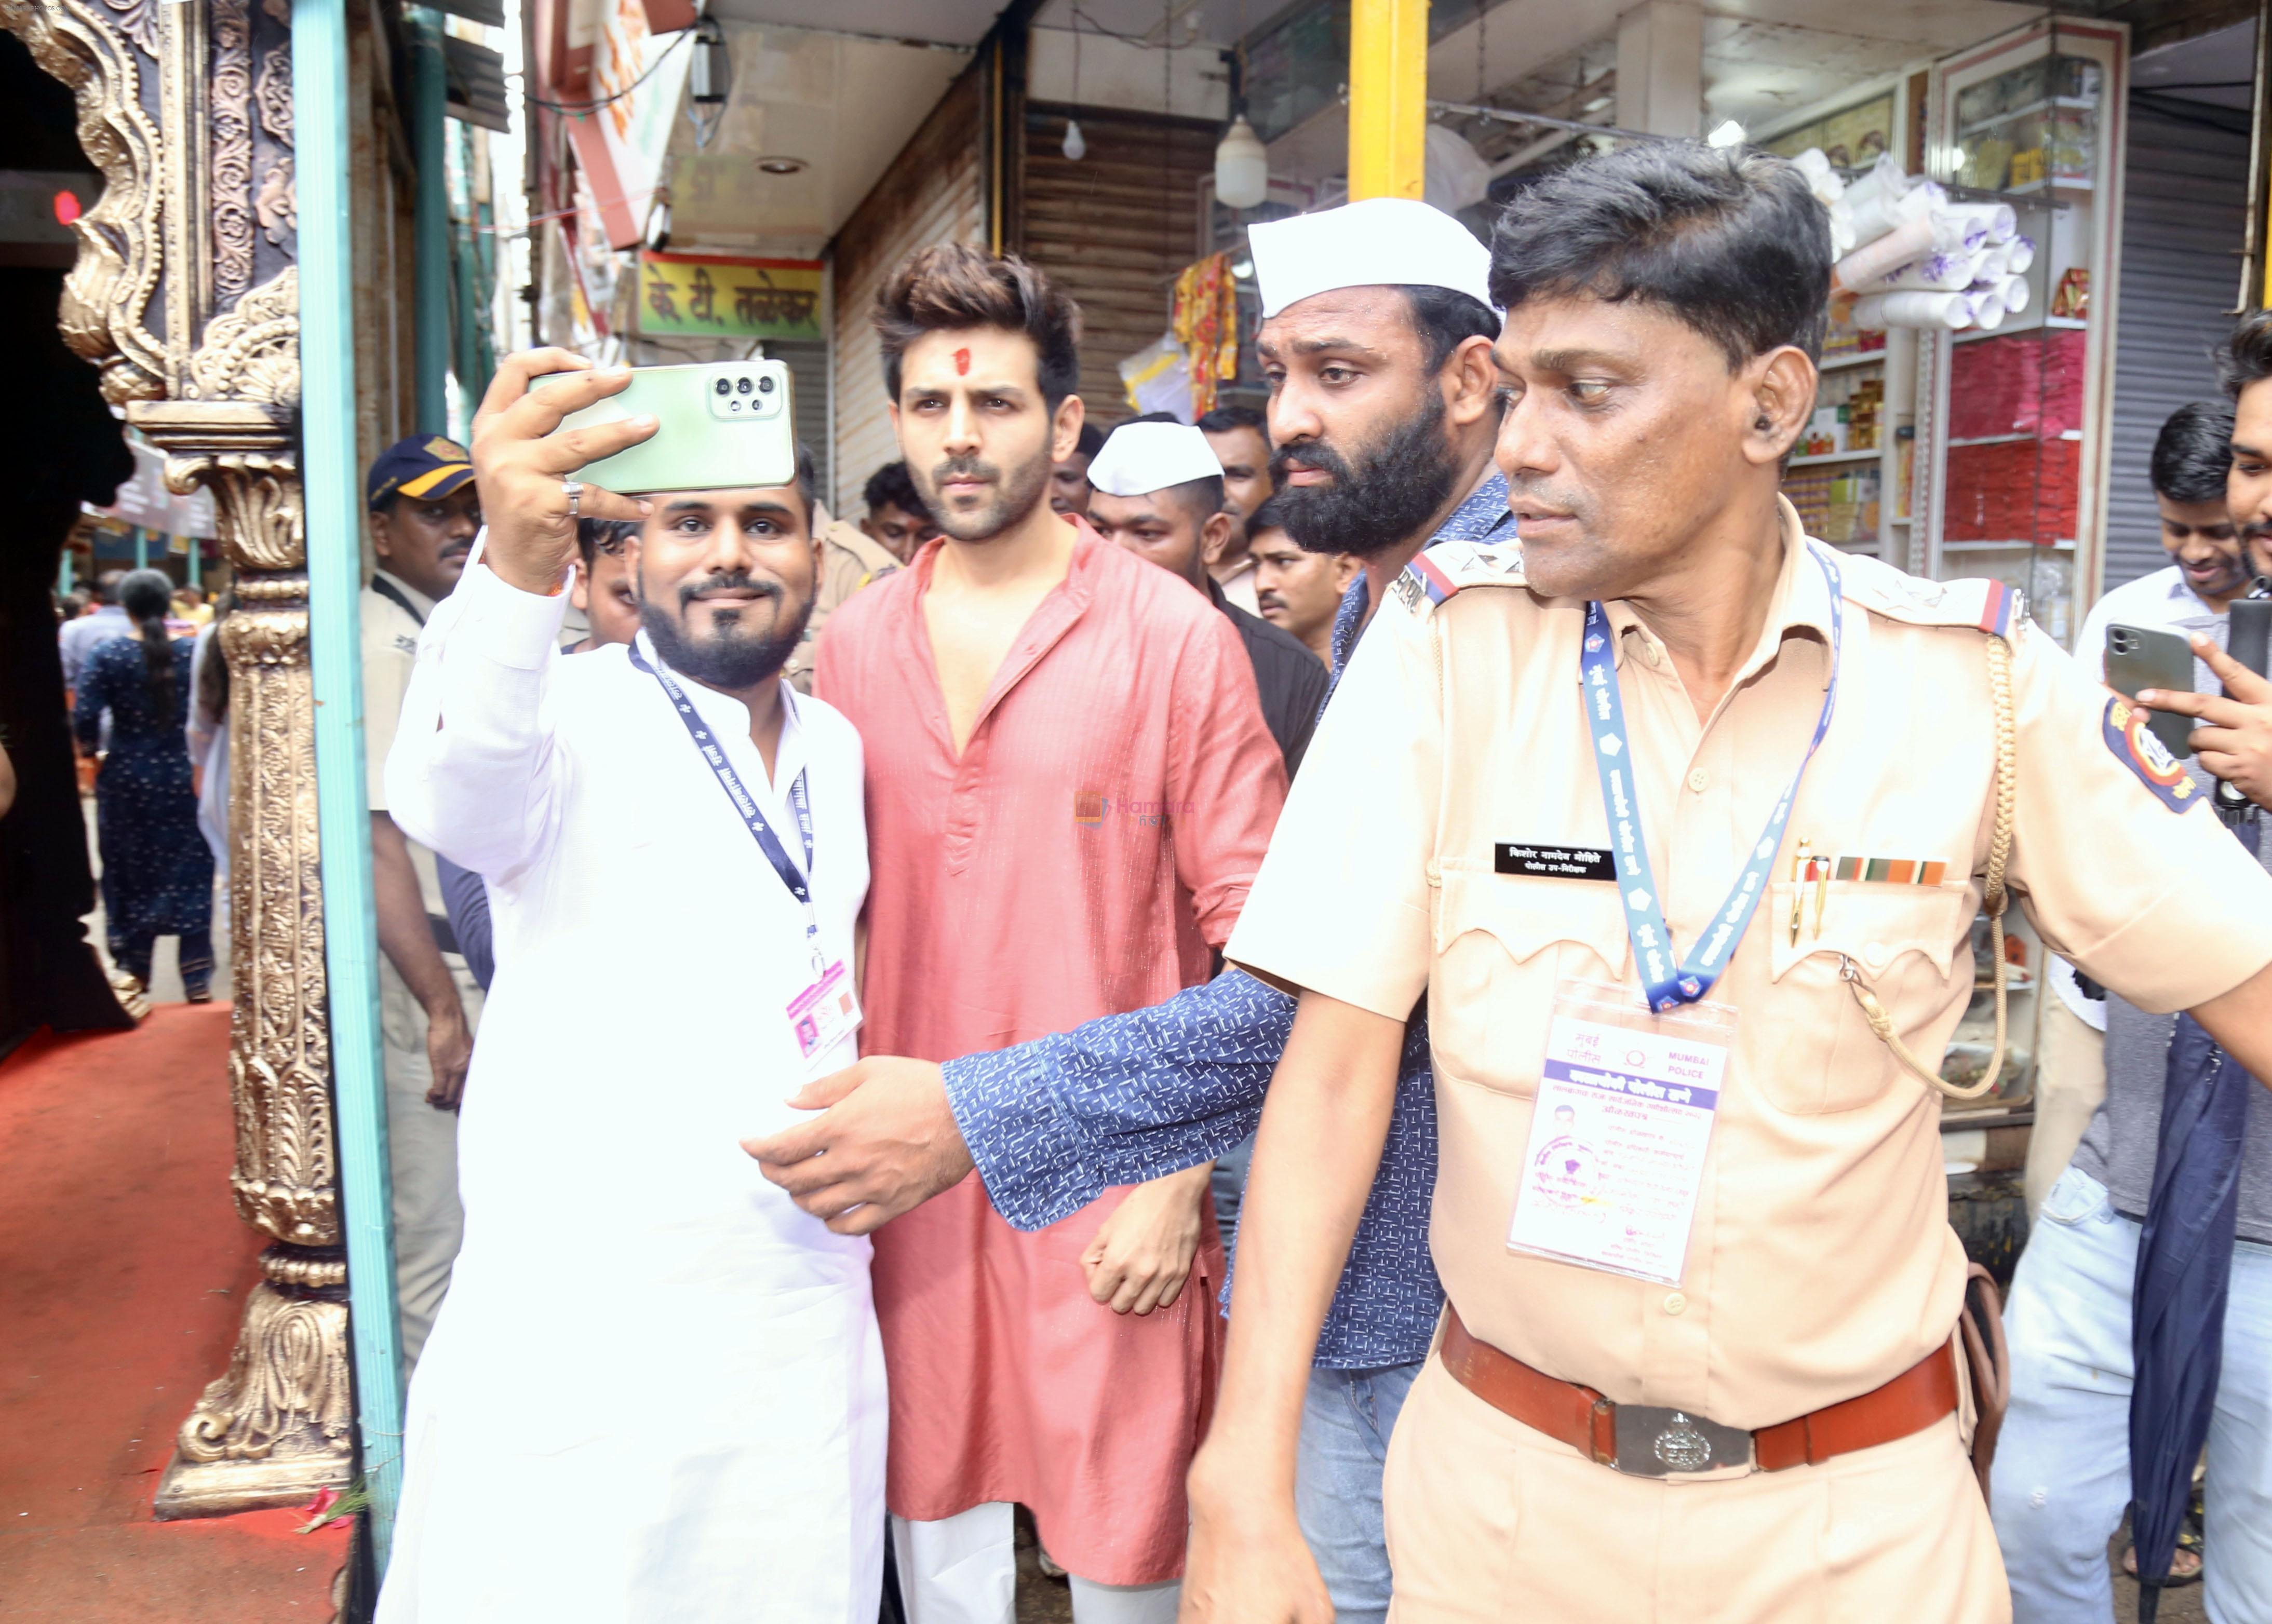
(1141, 457)
(1379, 242)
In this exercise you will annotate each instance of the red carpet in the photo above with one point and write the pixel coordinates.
(122, 1269)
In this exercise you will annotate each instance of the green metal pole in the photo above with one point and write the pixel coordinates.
(327, 431)
(63, 581)
(197, 560)
(429, 121)
(141, 548)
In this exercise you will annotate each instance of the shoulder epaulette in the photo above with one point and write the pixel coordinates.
(1450, 567)
(1989, 606)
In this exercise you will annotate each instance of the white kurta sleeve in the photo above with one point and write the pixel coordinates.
(472, 773)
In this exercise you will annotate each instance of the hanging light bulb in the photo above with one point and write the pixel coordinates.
(1728, 134)
(1242, 166)
(1075, 148)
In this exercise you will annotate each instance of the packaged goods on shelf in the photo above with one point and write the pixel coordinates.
(2026, 383)
(1836, 504)
(2014, 490)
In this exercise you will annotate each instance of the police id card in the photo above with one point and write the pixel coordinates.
(1624, 1117)
(825, 1013)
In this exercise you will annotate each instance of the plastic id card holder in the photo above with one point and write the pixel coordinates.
(1618, 1139)
(825, 1013)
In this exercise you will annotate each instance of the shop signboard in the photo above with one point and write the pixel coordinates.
(719, 296)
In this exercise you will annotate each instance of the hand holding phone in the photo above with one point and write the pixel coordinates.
(522, 467)
(722, 425)
(2139, 658)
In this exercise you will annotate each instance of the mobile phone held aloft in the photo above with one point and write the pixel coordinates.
(2138, 657)
(724, 426)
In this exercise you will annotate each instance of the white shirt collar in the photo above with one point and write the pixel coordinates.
(729, 719)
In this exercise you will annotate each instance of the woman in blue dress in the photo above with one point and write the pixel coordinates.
(157, 870)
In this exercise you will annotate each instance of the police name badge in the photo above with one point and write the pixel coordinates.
(825, 1014)
(1624, 1115)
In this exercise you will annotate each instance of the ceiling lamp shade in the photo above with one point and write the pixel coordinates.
(1242, 166)
(1075, 148)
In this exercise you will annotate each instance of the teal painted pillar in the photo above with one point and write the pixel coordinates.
(63, 580)
(197, 560)
(141, 548)
(430, 134)
(335, 519)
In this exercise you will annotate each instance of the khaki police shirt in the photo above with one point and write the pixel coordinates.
(1820, 1264)
(849, 560)
(390, 652)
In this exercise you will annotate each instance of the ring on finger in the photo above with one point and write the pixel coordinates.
(574, 492)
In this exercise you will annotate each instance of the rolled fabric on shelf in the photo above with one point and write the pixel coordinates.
(2019, 254)
(1878, 311)
(1988, 311)
(1935, 272)
(2001, 223)
(1897, 248)
(1826, 182)
(2014, 292)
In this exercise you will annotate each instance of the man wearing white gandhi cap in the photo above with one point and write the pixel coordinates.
(1158, 492)
(1376, 338)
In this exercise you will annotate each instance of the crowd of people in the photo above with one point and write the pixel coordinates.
(849, 996)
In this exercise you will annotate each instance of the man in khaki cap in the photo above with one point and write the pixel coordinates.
(1680, 819)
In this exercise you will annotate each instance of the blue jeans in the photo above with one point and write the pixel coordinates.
(1346, 1420)
(2062, 1476)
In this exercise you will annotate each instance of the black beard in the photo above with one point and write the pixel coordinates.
(732, 658)
(1395, 489)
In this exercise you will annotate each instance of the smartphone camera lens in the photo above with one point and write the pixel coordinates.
(724, 387)
(765, 386)
(743, 385)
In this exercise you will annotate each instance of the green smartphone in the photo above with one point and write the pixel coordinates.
(2139, 658)
(723, 426)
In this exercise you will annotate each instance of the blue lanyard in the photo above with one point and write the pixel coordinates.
(1671, 984)
(714, 756)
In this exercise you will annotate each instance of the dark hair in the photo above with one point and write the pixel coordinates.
(2246, 355)
(1269, 515)
(1091, 440)
(1223, 420)
(1729, 242)
(891, 486)
(1446, 319)
(107, 585)
(146, 594)
(2194, 452)
(595, 536)
(213, 668)
(951, 285)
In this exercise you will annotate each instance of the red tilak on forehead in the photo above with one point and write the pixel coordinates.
(961, 362)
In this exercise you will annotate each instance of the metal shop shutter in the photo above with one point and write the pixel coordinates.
(2184, 221)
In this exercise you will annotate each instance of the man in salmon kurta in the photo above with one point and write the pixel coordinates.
(1070, 786)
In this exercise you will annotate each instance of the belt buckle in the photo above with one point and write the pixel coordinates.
(1653, 1442)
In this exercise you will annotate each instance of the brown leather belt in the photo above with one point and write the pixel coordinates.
(1651, 1442)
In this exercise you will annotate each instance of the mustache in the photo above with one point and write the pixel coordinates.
(1311, 454)
(731, 581)
(963, 468)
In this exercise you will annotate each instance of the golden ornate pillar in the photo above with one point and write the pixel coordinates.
(185, 296)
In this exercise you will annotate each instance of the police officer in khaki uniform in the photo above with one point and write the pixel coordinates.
(849, 560)
(425, 513)
(1666, 810)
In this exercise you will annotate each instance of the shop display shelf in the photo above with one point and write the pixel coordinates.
(2077, 104)
(1832, 363)
(2004, 547)
(1820, 458)
(2013, 439)
(2056, 184)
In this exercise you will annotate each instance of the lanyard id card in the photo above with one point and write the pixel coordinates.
(826, 1013)
(1615, 1162)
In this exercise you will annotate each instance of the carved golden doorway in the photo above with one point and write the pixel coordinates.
(184, 296)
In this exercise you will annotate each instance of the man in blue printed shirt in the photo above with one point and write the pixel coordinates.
(1376, 340)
